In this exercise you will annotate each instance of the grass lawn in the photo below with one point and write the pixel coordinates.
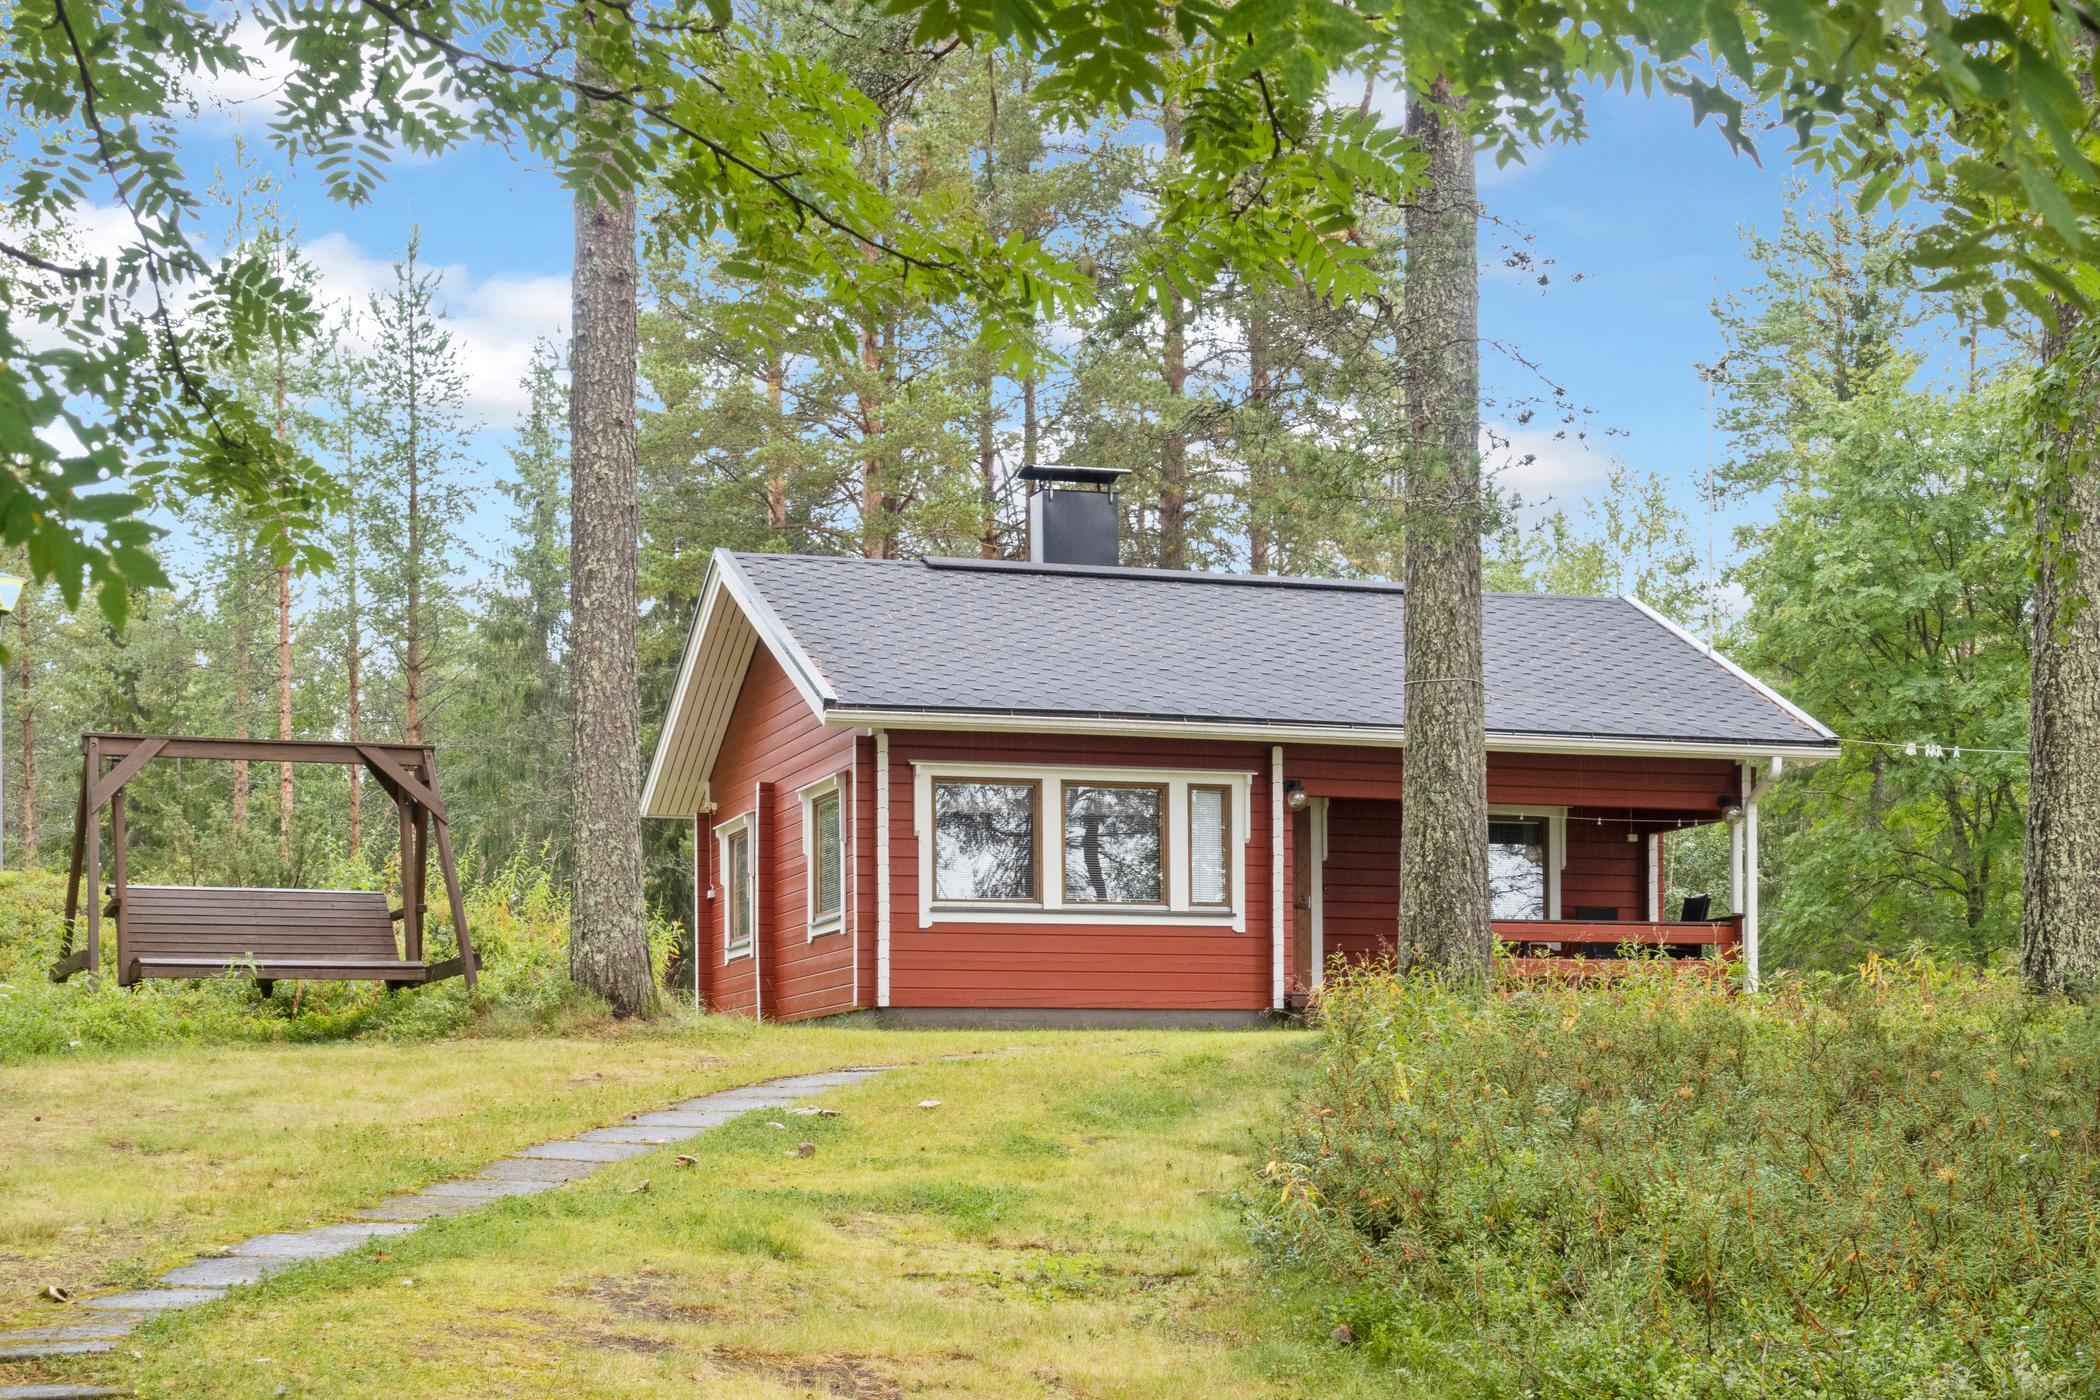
(1062, 1224)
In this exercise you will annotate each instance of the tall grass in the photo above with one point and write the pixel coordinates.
(1878, 1185)
(517, 918)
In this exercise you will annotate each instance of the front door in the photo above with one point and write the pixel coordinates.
(1301, 979)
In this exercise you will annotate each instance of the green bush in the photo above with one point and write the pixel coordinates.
(1880, 1185)
(518, 918)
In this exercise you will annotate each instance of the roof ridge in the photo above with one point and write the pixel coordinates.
(1143, 574)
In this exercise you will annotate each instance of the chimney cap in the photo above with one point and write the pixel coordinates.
(1105, 477)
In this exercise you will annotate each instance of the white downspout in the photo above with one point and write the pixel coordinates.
(882, 867)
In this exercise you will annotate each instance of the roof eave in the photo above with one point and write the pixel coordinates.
(1265, 732)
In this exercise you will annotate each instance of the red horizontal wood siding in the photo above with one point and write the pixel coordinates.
(773, 747)
(1141, 966)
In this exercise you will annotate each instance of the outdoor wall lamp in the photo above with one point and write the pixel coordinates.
(1295, 796)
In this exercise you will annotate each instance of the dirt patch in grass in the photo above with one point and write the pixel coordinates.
(648, 1297)
(854, 1376)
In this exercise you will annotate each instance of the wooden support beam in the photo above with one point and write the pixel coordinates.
(90, 862)
(448, 868)
(384, 764)
(118, 872)
(127, 767)
(411, 886)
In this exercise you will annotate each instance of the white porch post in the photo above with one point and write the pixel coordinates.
(1750, 786)
(882, 867)
(1276, 901)
(1735, 844)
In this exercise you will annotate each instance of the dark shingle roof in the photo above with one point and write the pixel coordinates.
(963, 635)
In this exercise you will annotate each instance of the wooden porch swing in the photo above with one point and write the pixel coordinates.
(301, 935)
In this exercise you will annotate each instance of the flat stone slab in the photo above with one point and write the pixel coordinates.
(828, 1079)
(480, 1189)
(419, 1207)
(223, 1273)
(323, 1242)
(552, 1170)
(56, 1392)
(78, 1346)
(109, 1325)
(570, 1150)
(154, 1299)
(694, 1120)
(628, 1132)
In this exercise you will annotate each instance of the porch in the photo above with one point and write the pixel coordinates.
(1579, 861)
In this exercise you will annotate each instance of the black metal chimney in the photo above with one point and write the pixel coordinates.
(1072, 515)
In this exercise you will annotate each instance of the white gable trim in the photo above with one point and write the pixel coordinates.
(1738, 672)
(727, 626)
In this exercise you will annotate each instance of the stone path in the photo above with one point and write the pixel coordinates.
(100, 1323)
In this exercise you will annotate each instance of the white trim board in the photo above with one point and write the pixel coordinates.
(1343, 736)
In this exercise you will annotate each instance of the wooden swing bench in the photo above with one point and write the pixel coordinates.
(184, 931)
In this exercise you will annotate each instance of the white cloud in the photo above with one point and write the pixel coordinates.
(1541, 464)
(494, 320)
(228, 100)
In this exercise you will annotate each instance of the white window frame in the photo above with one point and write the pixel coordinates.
(834, 922)
(1050, 906)
(1556, 819)
(728, 831)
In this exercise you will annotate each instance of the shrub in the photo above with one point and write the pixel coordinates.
(518, 918)
(1880, 1185)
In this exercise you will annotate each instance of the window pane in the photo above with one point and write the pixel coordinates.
(1517, 869)
(1207, 884)
(1112, 845)
(984, 841)
(740, 889)
(828, 883)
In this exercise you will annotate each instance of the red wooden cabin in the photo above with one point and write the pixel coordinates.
(1068, 791)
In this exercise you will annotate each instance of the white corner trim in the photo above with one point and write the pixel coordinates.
(1050, 905)
(743, 824)
(882, 867)
(1319, 891)
(1750, 891)
(1715, 654)
(1276, 899)
(807, 796)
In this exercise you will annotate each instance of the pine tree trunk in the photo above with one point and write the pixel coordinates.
(241, 662)
(608, 941)
(1174, 451)
(1444, 908)
(988, 475)
(776, 476)
(2060, 921)
(284, 652)
(25, 707)
(353, 669)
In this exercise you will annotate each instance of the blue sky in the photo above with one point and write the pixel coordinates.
(1648, 211)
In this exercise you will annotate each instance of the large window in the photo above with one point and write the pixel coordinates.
(1115, 843)
(1027, 843)
(1518, 851)
(824, 848)
(984, 841)
(738, 917)
(1210, 845)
